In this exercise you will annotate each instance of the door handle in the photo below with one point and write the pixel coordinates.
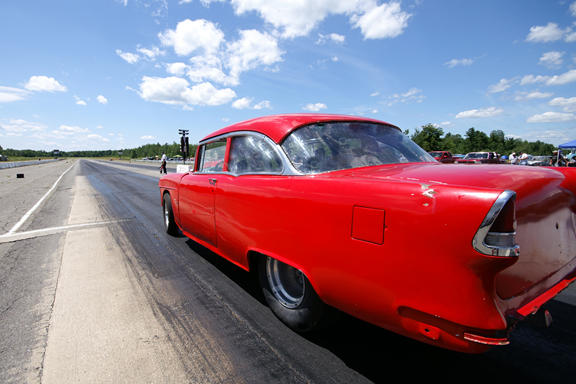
(212, 181)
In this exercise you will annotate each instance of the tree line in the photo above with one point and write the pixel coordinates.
(147, 150)
(429, 137)
(432, 138)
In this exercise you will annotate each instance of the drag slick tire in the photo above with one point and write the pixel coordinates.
(291, 296)
(169, 222)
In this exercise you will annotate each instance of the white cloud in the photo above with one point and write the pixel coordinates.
(254, 48)
(564, 78)
(375, 111)
(501, 86)
(242, 103)
(484, 112)
(147, 137)
(98, 138)
(446, 124)
(523, 96)
(151, 53)
(79, 101)
(568, 105)
(374, 94)
(225, 119)
(208, 68)
(207, 94)
(551, 117)
(102, 100)
(127, 56)
(551, 59)
(314, 107)
(454, 62)
(190, 36)
(205, 3)
(19, 125)
(72, 130)
(43, 83)
(298, 18)
(413, 94)
(8, 94)
(384, 21)
(168, 90)
(546, 34)
(177, 69)
(339, 39)
(263, 104)
(175, 91)
(531, 79)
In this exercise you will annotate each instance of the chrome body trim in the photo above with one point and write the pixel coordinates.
(287, 167)
(478, 240)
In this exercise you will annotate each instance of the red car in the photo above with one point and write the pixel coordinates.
(346, 212)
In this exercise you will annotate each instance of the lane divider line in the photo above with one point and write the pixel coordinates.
(27, 215)
(49, 231)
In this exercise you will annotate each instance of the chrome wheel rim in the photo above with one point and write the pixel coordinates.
(166, 216)
(287, 283)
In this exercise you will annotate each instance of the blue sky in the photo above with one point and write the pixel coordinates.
(112, 74)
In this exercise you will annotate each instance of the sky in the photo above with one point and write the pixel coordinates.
(117, 74)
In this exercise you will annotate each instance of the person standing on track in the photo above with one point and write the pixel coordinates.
(163, 166)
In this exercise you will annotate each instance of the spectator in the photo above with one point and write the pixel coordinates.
(513, 158)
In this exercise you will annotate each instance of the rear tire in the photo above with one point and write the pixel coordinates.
(169, 222)
(291, 297)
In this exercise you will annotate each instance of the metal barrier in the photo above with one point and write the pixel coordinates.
(14, 164)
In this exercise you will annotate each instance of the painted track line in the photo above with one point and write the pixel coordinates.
(27, 215)
(7, 238)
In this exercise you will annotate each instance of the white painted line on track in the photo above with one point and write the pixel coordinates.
(27, 215)
(6, 238)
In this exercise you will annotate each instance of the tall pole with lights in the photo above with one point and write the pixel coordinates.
(184, 148)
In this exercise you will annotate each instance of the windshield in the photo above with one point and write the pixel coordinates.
(436, 154)
(333, 146)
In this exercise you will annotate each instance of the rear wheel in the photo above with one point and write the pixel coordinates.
(291, 296)
(169, 222)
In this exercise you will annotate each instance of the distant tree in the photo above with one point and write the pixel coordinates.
(476, 140)
(429, 138)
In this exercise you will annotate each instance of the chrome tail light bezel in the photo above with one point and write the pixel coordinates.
(503, 244)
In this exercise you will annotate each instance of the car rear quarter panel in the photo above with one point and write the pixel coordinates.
(171, 183)
(546, 233)
(426, 261)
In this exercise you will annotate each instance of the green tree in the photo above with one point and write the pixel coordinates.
(429, 138)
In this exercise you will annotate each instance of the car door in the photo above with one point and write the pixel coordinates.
(198, 191)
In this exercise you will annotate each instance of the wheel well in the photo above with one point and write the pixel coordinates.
(253, 258)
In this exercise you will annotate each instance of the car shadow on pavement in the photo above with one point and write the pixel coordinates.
(535, 355)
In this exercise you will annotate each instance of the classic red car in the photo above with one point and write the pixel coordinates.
(346, 212)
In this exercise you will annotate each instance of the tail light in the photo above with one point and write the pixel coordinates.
(497, 233)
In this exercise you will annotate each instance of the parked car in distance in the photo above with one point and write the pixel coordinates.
(536, 161)
(442, 156)
(479, 158)
(345, 213)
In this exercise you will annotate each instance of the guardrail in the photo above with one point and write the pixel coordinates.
(14, 164)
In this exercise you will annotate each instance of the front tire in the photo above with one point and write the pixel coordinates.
(291, 297)
(169, 222)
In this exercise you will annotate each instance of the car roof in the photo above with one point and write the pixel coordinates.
(277, 127)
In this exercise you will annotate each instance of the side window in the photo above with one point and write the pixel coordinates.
(250, 154)
(213, 156)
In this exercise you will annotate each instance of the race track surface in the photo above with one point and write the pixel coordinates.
(92, 289)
